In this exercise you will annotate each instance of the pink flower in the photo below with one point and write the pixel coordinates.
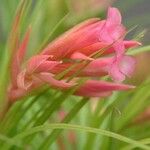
(80, 43)
(91, 36)
(100, 88)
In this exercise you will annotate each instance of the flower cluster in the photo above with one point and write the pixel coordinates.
(77, 45)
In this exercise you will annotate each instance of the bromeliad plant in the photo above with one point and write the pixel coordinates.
(71, 66)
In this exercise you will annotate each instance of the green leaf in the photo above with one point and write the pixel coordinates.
(9, 141)
(134, 107)
(143, 141)
(73, 112)
(83, 129)
(139, 50)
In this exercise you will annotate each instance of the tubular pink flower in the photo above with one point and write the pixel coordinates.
(93, 88)
(91, 36)
(80, 43)
(96, 68)
(110, 50)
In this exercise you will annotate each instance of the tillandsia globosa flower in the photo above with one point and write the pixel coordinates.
(104, 37)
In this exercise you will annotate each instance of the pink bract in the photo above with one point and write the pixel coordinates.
(76, 45)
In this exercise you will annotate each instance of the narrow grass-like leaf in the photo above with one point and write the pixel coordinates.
(10, 48)
(9, 141)
(53, 31)
(143, 141)
(98, 118)
(73, 112)
(83, 129)
(139, 50)
(138, 102)
(56, 102)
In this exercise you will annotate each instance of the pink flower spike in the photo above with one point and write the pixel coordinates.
(105, 37)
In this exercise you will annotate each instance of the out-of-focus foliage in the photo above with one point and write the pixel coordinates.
(136, 12)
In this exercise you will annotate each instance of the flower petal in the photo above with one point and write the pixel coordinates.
(93, 88)
(122, 68)
(113, 16)
(35, 62)
(23, 46)
(97, 67)
(81, 26)
(92, 94)
(22, 82)
(127, 65)
(65, 46)
(48, 78)
(80, 56)
(46, 66)
(131, 44)
(115, 72)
